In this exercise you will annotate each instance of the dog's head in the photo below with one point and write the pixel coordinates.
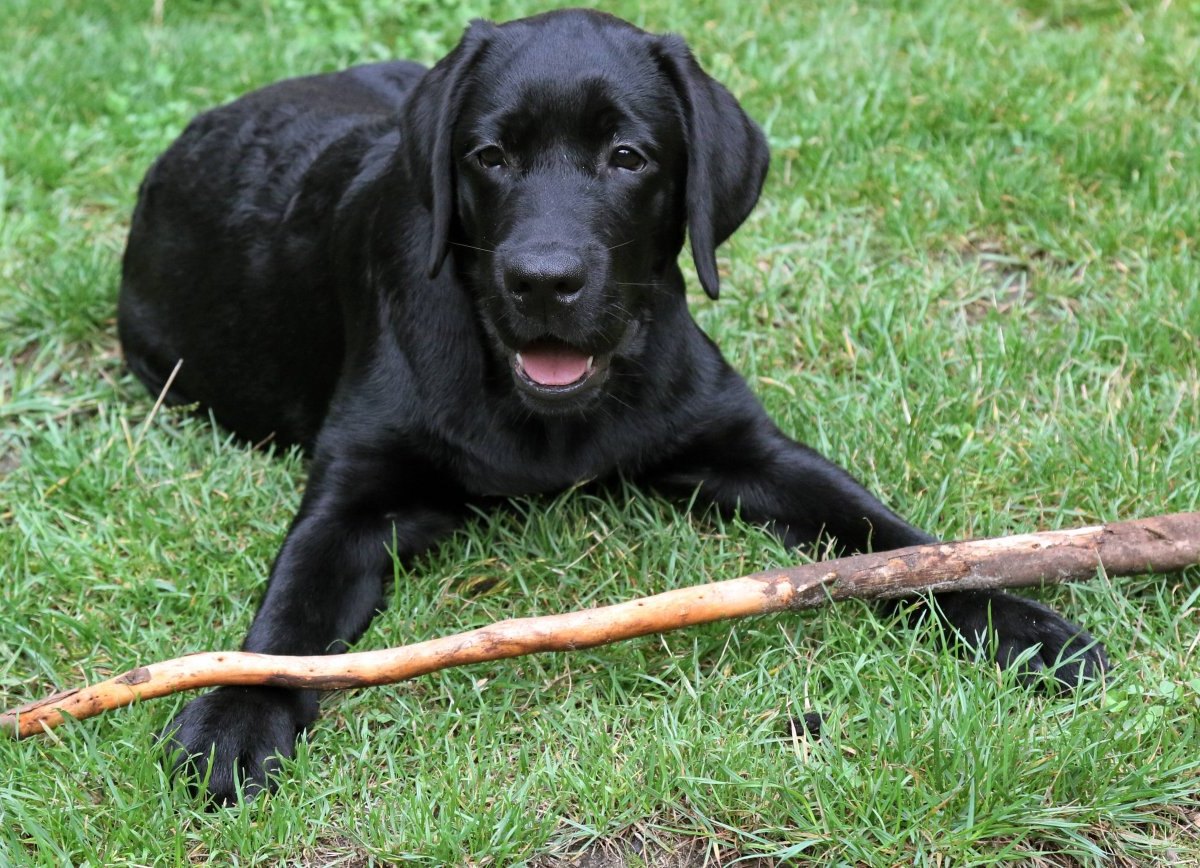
(562, 157)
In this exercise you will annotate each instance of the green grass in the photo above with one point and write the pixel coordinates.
(973, 279)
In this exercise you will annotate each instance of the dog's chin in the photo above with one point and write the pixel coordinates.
(555, 378)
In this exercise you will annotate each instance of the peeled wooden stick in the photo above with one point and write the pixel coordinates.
(1161, 544)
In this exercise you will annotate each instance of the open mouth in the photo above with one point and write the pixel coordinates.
(553, 369)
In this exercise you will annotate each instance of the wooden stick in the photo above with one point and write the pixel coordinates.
(1161, 544)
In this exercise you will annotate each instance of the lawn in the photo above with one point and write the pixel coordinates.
(973, 279)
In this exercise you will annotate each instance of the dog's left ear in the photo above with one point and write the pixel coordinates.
(428, 127)
(727, 158)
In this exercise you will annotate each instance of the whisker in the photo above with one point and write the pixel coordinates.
(624, 404)
(472, 247)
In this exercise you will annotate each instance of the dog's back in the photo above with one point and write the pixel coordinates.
(226, 267)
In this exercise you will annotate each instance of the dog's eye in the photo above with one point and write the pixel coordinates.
(627, 159)
(491, 157)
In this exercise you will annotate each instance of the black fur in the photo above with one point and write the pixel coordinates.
(351, 262)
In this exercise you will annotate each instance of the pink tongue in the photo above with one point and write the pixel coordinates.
(553, 365)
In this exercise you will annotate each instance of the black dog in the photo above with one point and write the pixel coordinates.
(460, 283)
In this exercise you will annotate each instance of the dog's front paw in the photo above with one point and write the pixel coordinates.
(1012, 625)
(235, 736)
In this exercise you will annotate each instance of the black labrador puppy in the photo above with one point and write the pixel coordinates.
(459, 283)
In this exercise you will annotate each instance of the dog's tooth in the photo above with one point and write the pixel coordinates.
(591, 361)
(520, 362)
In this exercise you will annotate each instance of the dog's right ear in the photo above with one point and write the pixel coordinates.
(428, 126)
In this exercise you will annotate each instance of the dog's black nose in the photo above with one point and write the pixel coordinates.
(544, 277)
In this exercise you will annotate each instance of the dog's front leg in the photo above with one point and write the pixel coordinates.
(326, 585)
(747, 466)
(743, 463)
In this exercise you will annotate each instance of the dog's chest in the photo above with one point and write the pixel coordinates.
(512, 463)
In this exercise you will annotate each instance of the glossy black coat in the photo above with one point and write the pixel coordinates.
(352, 261)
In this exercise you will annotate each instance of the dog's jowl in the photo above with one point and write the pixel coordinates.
(461, 282)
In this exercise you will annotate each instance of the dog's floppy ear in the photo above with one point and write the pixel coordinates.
(727, 158)
(428, 123)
